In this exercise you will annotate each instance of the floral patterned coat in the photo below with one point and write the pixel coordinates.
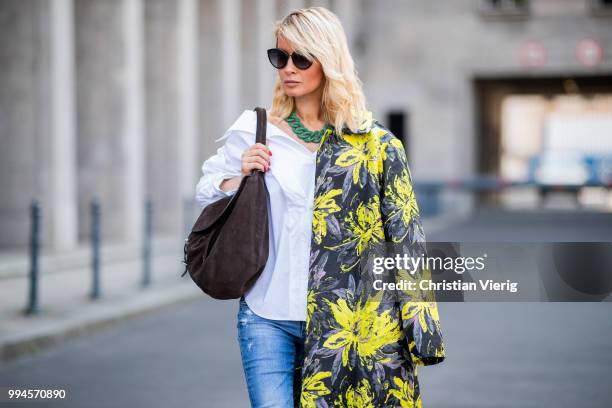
(363, 349)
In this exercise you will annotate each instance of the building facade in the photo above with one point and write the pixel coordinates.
(121, 100)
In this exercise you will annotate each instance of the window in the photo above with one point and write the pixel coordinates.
(601, 7)
(504, 8)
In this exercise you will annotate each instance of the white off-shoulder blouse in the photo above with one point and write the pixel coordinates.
(280, 291)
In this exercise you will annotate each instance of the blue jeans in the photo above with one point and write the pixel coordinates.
(272, 353)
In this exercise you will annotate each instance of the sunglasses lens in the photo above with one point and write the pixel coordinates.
(300, 61)
(277, 58)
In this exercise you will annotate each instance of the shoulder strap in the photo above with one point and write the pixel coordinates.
(260, 137)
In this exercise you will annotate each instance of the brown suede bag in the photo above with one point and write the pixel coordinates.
(227, 248)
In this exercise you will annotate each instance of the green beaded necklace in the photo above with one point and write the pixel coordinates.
(303, 133)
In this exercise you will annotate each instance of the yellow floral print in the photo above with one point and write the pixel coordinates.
(401, 195)
(310, 306)
(362, 348)
(363, 155)
(361, 329)
(359, 397)
(323, 206)
(404, 394)
(364, 226)
(313, 387)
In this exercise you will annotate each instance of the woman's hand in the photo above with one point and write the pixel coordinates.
(256, 157)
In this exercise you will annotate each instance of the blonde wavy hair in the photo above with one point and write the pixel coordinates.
(316, 32)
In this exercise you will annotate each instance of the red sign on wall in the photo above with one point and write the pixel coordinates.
(589, 53)
(533, 54)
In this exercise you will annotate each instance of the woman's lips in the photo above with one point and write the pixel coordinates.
(291, 82)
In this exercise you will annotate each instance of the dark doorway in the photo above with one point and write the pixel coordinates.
(396, 123)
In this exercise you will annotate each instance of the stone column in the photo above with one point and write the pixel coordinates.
(249, 55)
(210, 71)
(132, 187)
(188, 23)
(322, 3)
(37, 158)
(345, 10)
(62, 182)
(265, 40)
(286, 6)
(110, 109)
(230, 61)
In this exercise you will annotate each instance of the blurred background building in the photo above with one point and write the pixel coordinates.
(122, 99)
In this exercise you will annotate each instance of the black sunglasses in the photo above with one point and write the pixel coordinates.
(279, 58)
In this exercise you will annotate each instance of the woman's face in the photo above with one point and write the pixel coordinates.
(298, 82)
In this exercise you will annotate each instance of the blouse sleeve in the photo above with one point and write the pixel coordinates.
(402, 227)
(225, 164)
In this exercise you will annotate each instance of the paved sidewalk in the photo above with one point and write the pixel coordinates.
(65, 283)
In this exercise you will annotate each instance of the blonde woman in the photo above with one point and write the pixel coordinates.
(311, 333)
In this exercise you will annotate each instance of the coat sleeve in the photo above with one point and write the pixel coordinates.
(404, 233)
(225, 164)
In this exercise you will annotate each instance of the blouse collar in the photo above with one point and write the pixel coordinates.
(247, 122)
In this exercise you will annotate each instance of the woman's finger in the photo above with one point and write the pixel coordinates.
(257, 159)
(253, 166)
(265, 156)
(253, 163)
(263, 148)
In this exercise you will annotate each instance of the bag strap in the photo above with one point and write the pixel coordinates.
(262, 120)
(260, 137)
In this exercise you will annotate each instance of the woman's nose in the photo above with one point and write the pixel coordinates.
(290, 68)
